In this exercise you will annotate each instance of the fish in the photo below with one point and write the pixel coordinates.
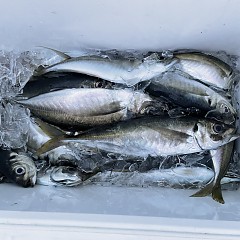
(36, 136)
(190, 93)
(204, 67)
(221, 158)
(41, 132)
(64, 176)
(18, 167)
(179, 177)
(76, 156)
(124, 71)
(81, 157)
(152, 136)
(57, 81)
(85, 108)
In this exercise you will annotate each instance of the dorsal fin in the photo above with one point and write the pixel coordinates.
(61, 54)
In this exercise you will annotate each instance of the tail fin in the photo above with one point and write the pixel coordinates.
(59, 53)
(214, 190)
(49, 129)
(217, 193)
(39, 71)
(50, 145)
(207, 190)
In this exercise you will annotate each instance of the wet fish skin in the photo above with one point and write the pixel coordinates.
(84, 108)
(36, 137)
(123, 71)
(180, 177)
(18, 167)
(65, 176)
(206, 68)
(221, 158)
(38, 85)
(154, 136)
(41, 132)
(188, 93)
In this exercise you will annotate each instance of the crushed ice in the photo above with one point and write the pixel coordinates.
(16, 69)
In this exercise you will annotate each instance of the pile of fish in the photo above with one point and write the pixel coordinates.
(160, 116)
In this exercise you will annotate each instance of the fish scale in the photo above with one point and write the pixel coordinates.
(191, 93)
(124, 71)
(155, 136)
(204, 71)
(86, 107)
(206, 68)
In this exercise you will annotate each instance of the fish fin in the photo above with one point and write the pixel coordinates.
(142, 85)
(57, 89)
(59, 53)
(214, 190)
(40, 70)
(221, 91)
(50, 130)
(50, 145)
(178, 135)
(217, 193)
(207, 190)
(178, 51)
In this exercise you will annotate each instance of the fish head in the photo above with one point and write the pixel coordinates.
(65, 175)
(23, 170)
(211, 134)
(160, 61)
(224, 112)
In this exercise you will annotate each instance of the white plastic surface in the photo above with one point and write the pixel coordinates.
(135, 24)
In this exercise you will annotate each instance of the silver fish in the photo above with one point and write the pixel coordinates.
(190, 93)
(78, 156)
(77, 108)
(176, 177)
(56, 81)
(39, 133)
(154, 136)
(64, 176)
(19, 168)
(205, 68)
(221, 158)
(124, 71)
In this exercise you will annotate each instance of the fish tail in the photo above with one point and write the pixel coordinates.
(59, 53)
(50, 145)
(217, 193)
(207, 190)
(50, 130)
(39, 71)
(213, 189)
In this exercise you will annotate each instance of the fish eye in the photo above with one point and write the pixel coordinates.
(218, 128)
(20, 171)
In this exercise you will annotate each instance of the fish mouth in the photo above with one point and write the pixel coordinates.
(27, 183)
(33, 180)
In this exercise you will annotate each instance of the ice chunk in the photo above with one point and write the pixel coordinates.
(14, 125)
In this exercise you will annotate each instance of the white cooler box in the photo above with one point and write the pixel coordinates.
(96, 212)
